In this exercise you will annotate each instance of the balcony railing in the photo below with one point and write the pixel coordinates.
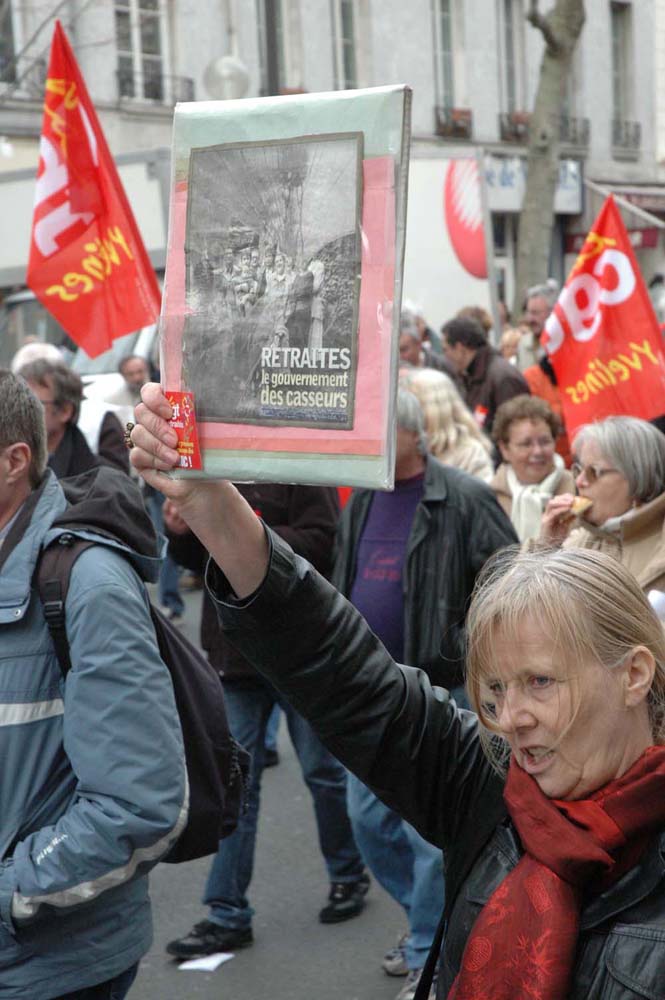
(155, 87)
(574, 131)
(453, 123)
(514, 126)
(626, 139)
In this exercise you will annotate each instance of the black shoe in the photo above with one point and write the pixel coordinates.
(345, 900)
(207, 938)
(270, 757)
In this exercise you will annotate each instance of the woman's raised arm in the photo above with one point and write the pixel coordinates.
(214, 510)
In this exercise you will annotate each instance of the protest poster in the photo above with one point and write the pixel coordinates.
(602, 337)
(283, 283)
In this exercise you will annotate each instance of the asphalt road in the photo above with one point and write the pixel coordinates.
(293, 957)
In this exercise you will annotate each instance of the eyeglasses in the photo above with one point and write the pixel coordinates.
(530, 443)
(592, 473)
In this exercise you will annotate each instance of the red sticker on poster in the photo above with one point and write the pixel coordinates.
(183, 423)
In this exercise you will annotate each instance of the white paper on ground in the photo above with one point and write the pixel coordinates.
(207, 964)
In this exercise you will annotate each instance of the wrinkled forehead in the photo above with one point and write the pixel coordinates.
(528, 644)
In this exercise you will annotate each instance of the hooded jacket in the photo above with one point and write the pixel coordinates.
(422, 756)
(93, 783)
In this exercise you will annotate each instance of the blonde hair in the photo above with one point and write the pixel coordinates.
(448, 421)
(510, 339)
(585, 602)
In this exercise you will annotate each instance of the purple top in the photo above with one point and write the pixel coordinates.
(377, 586)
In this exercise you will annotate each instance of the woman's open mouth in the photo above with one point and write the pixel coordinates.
(535, 759)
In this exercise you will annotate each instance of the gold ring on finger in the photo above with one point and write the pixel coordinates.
(129, 427)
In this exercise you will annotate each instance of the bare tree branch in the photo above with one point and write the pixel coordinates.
(543, 24)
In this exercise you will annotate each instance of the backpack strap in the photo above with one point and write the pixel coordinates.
(52, 578)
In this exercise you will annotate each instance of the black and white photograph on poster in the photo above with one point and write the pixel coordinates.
(272, 256)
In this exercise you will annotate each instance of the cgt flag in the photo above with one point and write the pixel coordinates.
(603, 337)
(87, 265)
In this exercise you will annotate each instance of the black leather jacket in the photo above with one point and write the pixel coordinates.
(457, 526)
(408, 741)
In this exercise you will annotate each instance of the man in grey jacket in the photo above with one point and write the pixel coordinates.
(93, 788)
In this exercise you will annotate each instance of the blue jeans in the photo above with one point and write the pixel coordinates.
(273, 728)
(113, 989)
(408, 867)
(249, 705)
(168, 587)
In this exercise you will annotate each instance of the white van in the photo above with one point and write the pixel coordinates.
(24, 319)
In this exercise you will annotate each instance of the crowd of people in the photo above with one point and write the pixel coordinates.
(471, 668)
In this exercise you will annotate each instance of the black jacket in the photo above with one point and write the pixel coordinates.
(73, 455)
(489, 381)
(422, 756)
(306, 516)
(456, 527)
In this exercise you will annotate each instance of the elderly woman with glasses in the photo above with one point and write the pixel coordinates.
(620, 468)
(525, 430)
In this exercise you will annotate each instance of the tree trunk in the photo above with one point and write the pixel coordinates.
(561, 28)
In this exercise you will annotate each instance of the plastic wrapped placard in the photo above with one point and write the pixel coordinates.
(281, 302)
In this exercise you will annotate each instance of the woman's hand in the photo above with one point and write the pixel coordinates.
(154, 453)
(213, 509)
(557, 520)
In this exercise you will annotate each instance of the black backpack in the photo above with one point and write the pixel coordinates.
(217, 766)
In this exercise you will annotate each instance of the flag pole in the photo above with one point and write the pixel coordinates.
(641, 213)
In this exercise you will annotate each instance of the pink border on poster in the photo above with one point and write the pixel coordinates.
(368, 436)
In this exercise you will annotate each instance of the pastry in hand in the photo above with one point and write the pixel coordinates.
(580, 505)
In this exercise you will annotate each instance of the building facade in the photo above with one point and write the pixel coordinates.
(473, 66)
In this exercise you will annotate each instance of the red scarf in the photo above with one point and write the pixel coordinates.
(523, 944)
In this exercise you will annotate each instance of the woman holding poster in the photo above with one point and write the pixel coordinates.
(620, 468)
(548, 800)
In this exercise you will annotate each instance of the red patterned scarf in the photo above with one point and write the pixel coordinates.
(523, 944)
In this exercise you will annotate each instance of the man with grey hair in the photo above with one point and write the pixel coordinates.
(60, 390)
(94, 788)
(414, 352)
(408, 560)
(540, 301)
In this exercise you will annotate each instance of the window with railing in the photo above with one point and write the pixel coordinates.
(626, 133)
(140, 27)
(443, 23)
(279, 45)
(7, 44)
(621, 35)
(345, 55)
(512, 55)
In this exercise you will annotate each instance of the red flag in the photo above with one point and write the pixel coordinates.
(88, 265)
(603, 337)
